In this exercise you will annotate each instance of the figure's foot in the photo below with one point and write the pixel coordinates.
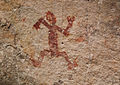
(74, 64)
(35, 63)
(71, 66)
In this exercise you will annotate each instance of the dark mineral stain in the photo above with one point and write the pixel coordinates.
(60, 81)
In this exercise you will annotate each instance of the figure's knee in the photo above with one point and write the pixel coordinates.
(62, 53)
(44, 53)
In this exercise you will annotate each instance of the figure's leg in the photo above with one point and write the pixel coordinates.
(37, 63)
(70, 65)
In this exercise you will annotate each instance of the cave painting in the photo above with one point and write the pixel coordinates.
(52, 39)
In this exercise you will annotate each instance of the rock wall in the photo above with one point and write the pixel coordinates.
(94, 38)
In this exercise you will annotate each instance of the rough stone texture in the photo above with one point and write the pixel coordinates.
(94, 37)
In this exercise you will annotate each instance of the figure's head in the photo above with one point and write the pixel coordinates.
(50, 17)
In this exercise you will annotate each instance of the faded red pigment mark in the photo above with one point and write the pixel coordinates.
(80, 39)
(52, 39)
(23, 19)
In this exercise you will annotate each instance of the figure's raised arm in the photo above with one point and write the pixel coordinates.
(70, 23)
(37, 24)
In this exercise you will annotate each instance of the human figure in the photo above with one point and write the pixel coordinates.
(52, 39)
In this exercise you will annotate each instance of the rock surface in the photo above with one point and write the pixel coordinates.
(94, 38)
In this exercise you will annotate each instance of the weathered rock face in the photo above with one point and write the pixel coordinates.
(88, 43)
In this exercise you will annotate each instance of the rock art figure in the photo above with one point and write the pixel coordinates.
(52, 39)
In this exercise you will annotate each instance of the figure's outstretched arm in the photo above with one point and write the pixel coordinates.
(37, 24)
(70, 23)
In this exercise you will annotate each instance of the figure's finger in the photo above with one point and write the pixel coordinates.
(73, 18)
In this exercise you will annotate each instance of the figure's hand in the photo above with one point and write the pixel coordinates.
(66, 33)
(37, 24)
(70, 19)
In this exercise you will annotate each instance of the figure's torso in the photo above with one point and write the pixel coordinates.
(53, 41)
